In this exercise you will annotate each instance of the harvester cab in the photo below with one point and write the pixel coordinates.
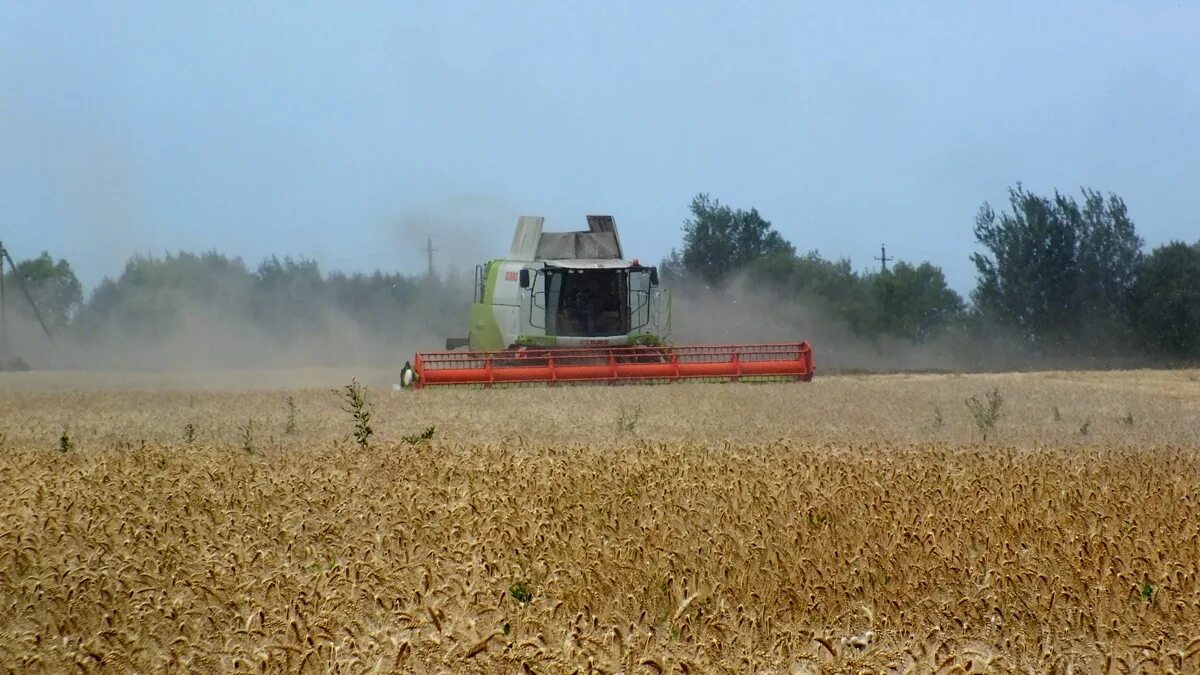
(570, 308)
(566, 289)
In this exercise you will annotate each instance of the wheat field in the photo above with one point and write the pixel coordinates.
(854, 524)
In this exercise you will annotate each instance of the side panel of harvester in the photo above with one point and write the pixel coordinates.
(501, 308)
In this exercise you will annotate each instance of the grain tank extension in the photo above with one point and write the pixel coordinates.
(570, 308)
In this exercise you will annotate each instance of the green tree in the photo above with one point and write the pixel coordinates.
(54, 288)
(154, 296)
(719, 240)
(1108, 254)
(912, 302)
(672, 271)
(830, 286)
(289, 297)
(1028, 282)
(1166, 300)
(1058, 273)
(158, 297)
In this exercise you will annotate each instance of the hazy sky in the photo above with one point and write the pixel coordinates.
(346, 132)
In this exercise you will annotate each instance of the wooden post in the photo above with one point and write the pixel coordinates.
(25, 290)
(3, 307)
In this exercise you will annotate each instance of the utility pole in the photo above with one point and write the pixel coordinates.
(3, 307)
(25, 290)
(883, 257)
(429, 249)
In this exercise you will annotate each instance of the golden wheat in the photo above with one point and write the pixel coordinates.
(827, 528)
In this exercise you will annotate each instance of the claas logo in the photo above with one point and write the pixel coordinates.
(510, 276)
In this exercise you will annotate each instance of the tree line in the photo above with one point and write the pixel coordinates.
(1055, 276)
(155, 298)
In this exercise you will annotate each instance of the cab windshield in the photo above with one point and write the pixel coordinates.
(587, 303)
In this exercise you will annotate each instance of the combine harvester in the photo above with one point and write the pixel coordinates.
(568, 308)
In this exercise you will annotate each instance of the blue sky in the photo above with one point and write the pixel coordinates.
(348, 132)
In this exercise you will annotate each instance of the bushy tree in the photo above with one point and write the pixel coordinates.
(1166, 301)
(719, 240)
(154, 296)
(813, 282)
(1028, 282)
(832, 284)
(289, 296)
(1058, 274)
(1107, 257)
(284, 299)
(53, 286)
(912, 302)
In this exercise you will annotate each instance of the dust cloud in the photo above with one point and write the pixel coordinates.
(367, 323)
(225, 321)
(379, 328)
(465, 231)
(206, 334)
(204, 339)
(741, 312)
